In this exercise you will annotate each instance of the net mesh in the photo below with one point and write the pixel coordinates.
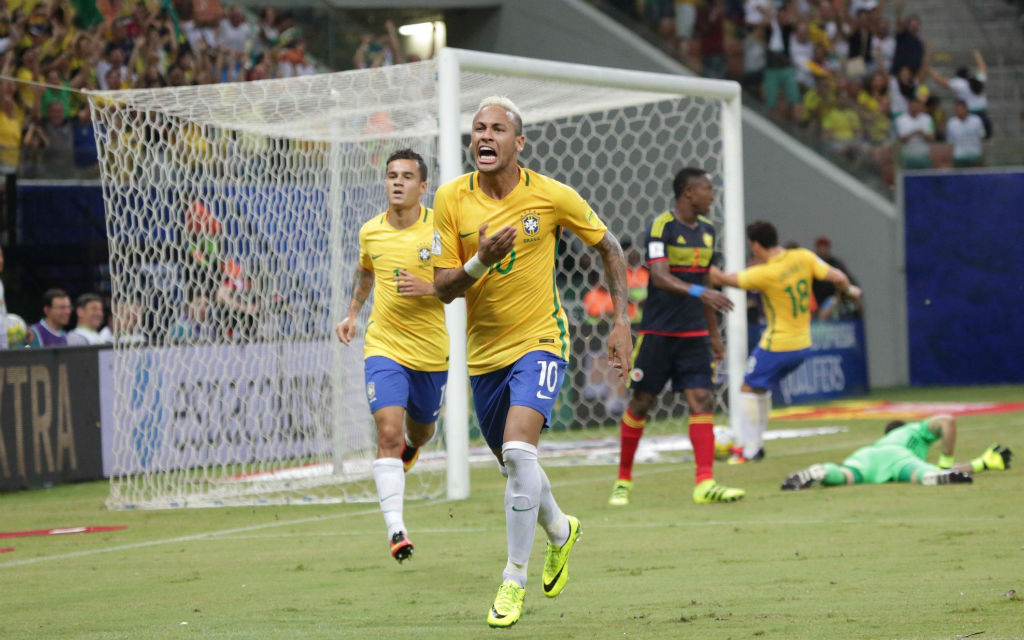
(233, 214)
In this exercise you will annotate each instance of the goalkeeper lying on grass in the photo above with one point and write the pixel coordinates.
(900, 457)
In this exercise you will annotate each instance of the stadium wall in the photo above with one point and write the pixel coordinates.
(965, 297)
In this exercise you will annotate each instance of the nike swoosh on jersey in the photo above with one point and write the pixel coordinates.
(466, 235)
(376, 256)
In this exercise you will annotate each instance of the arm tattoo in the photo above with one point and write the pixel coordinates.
(362, 283)
(615, 273)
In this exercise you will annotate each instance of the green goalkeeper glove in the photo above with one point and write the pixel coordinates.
(995, 457)
(945, 462)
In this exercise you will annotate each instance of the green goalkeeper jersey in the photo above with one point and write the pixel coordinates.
(914, 436)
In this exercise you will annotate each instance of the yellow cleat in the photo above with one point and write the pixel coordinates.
(620, 493)
(508, 605)
(711, 491)
(556, 561)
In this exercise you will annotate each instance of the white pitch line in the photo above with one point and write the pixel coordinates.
(197, 536)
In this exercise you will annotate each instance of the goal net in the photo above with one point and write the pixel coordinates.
(233, 213)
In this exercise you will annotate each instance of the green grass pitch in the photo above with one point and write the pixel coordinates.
(893, 561)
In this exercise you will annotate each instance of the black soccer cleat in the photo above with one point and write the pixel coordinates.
(804, 478)
(955, 477)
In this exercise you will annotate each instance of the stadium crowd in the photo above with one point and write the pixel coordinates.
(844, 74)
(52, 50)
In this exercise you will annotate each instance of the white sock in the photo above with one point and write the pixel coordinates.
(746, 433)
(549, 515)
(522, 499)
(390, 478)
(764, 410)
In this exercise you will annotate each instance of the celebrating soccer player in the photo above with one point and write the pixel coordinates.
(900, 457)
(784, 280)
(678, 333)
(498, 229)
(406, 347)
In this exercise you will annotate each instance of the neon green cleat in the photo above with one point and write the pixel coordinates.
(711, 491)
(556, 561)
(508, 605)
(620, 493)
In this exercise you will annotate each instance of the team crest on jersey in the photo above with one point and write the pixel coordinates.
(708, 240)
(424, 253)
(371, 392)
(636, 375)
(531, 223)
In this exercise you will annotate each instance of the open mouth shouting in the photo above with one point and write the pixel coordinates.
(486, 156)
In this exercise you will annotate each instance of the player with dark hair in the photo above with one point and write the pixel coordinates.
(678, 335)
(783, 278)
(406, 348)
(498, 230)
(900, 456)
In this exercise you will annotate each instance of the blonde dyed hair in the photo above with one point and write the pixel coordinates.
(506, 104)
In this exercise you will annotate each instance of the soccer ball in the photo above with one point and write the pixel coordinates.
(17, 331)
(724, 442)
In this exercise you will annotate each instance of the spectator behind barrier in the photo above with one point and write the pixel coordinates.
(89, 311)
(49, 331)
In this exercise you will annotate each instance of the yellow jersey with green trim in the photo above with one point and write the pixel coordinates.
(408, 330)
(785, 285)
(515, 307)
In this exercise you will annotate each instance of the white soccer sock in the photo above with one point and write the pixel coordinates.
(764, 406)
(522, 499)
(389, 475)
(746, 431)
(756, 407)
(549, 515)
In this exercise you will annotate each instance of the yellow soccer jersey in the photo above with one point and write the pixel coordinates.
(409, 330)
(785, 286)
(515, 307)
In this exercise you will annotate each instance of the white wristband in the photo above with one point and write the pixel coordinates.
(475, 267)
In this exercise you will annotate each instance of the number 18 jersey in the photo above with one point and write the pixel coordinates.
(785, 285)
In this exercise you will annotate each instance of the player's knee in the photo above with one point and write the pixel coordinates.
(521, 502)
(515, 454)
(390, 436)
(640, 404)
(701, 401)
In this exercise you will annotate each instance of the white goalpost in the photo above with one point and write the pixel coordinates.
(232, 217)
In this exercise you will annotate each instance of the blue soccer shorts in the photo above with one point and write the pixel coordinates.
(766, 368)
(389, 384)
(532, 381)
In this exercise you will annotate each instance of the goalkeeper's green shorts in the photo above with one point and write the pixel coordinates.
(888, 463)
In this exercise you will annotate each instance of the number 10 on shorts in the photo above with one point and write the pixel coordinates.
(549, 379)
